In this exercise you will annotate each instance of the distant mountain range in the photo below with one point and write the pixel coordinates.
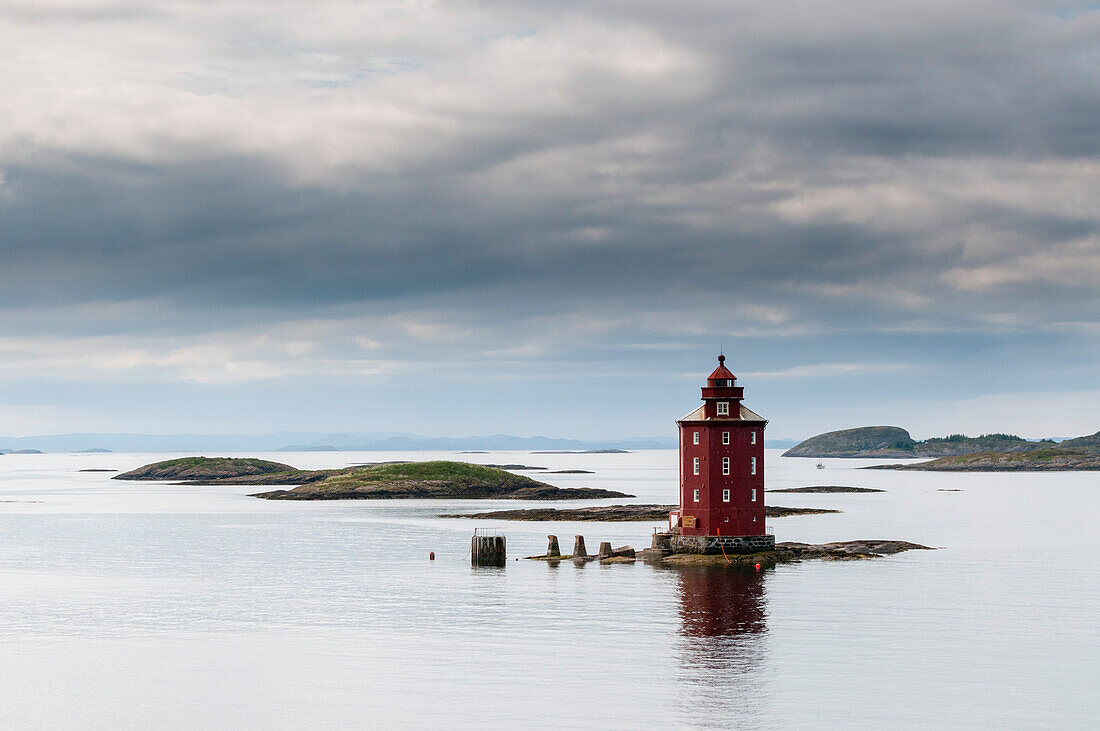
(324, 442)
(311, 441)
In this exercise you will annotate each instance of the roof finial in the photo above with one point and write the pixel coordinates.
(721, 358)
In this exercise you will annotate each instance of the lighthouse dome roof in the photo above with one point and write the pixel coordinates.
(721, 372)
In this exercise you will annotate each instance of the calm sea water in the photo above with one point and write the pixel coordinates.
(129, 605)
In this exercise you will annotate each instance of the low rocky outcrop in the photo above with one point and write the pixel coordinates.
(1051, 459)
(614, 513)
(205, 468)
(789, 552)
(826, 489)
(583, 451)
(514, 467)
(778, 511)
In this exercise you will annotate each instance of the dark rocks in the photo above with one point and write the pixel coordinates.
(826, 489)
(778, 511)
(609, 513)
(792, 552)
(846, 550)
(614, 513)
(514, 467)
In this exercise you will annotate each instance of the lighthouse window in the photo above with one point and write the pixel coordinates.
(729, 383)
(695, 466)
(726, 438)
(695, 438)
(696, 496)
(723, 408)
(726, 496)
(725, 465)
(754, 465)
(754, 436)
(754, 494)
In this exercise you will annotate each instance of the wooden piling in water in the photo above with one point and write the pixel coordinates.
(487, 550)
(552, 550)
(605, 550)
(578, 547)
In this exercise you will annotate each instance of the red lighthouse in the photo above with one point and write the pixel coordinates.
(721, 472)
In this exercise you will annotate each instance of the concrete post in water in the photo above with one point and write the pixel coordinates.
(578, 547)
(605, 550)
(552, 550)
(487, 550)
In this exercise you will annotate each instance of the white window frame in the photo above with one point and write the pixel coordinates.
(695, 437)
(726, 496)
(695, 465)
(723, 408)
(696, 496)
(726, 438)
(754, 465)
(725, 465)
(754, 436)
(754, 494)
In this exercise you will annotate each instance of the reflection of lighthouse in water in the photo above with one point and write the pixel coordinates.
(721, 601)
(723, 655)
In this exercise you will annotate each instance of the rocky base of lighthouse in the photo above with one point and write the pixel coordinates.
(706, 545)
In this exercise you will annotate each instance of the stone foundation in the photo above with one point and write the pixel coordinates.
(715, 544)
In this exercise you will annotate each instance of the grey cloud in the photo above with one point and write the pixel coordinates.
(653, 187)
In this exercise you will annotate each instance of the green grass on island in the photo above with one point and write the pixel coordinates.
(205, 468)
(436, 479)
(1050, 459)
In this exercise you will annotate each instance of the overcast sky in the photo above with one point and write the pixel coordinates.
(546, 218)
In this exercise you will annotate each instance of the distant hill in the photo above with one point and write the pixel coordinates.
(411, 442)
(1089, 443)
(864, 441)
(783, 443)
(893, 441)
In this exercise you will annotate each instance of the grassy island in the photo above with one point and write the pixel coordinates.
(205, 468)
(1051, 459)
(434, 480)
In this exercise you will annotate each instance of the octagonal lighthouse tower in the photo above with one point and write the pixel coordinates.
(721, 473)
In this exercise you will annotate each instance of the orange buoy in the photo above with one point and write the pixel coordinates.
(757, 567)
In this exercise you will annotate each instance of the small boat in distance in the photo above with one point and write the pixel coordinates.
(820, 465)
